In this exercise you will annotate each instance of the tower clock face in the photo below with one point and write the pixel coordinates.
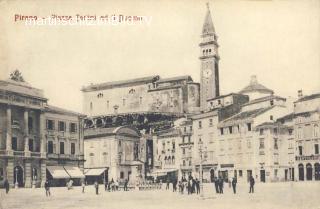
(207, 73)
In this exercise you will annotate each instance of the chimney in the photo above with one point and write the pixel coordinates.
(253, 80)
(300, 95)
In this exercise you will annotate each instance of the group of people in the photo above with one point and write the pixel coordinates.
(219, 183)
(192, 185)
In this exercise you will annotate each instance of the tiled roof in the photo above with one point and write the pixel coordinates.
(23, 88)
(226, 95)
(246, 115)
(58, 110)
(262, 99)
(122, 83)
(168, 132)
(310, 97)
(286, 117)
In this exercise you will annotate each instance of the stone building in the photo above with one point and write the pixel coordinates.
(307, 135)
(24, 134)
(113, 153)
(148, 94)
(209, 59)
(166, 155)
(65, 154)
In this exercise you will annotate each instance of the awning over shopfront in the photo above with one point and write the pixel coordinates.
(162, 172)
(74, 172)
(94, 171)
(58, 172)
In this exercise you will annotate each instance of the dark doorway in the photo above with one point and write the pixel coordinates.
(212, 175)
(262, 175)
(301, 172)
(292, 174)
(286, 174)
(317, 171)
(309, 172)
(249, 173)
(18, 176)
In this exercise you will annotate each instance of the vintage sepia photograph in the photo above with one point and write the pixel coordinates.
(159, 104)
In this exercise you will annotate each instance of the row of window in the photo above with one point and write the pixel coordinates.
(275, 144)
(308, 131)
(51, 146)
(62, 126)
(169, 160)
(210, 123)
(316, 149)
(234, 129)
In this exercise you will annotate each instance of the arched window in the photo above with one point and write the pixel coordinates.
(169, 160)
(91, 106)
(165, 159)
(173, 160)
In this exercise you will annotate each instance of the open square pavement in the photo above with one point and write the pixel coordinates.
(304, 195)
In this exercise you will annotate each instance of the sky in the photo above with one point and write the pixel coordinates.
(276, 40)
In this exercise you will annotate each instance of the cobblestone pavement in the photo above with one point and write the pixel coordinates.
(298, 195)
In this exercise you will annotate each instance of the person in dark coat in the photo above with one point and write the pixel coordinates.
(174, 185)
(216, 184)
(7, 186)
(221, 185)
(96, 186)
(251, 182)
(125, 187)
(234, 185)
(197, 182)
(168, 183)
(47, 188)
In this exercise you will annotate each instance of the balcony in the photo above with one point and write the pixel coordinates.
(186, 144)
(65, 156)
(310, 157)
(187, 133)
(22, 154)
(186, 167)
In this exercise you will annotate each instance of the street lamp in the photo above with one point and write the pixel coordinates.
(202, 154)
(16, 182)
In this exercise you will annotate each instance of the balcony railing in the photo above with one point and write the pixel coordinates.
(65, 156)
(186, 143)
(18, 153)
(186, 167)
(310, 157)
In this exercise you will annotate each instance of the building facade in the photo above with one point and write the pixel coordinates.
(113, 154)
(149, 94)
(307, 135)
(24, 134)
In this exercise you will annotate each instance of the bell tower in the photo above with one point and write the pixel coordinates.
(209, 58)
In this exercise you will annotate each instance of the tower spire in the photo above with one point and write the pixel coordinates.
(208, 27)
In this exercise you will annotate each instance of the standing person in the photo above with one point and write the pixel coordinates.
(221, 185)
(168, 183)
(7, 186)
(197, 182)
(83, 185)
(47, 188)
(251, 182)
(105, 185)
(125, 187)
(234, 185)
(96, 186)
(174, 185)
(216, 184)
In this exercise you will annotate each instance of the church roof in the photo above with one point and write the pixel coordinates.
(176, 78)
(122, 83)
(208, 27)
(254, 86)
(21, 87)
